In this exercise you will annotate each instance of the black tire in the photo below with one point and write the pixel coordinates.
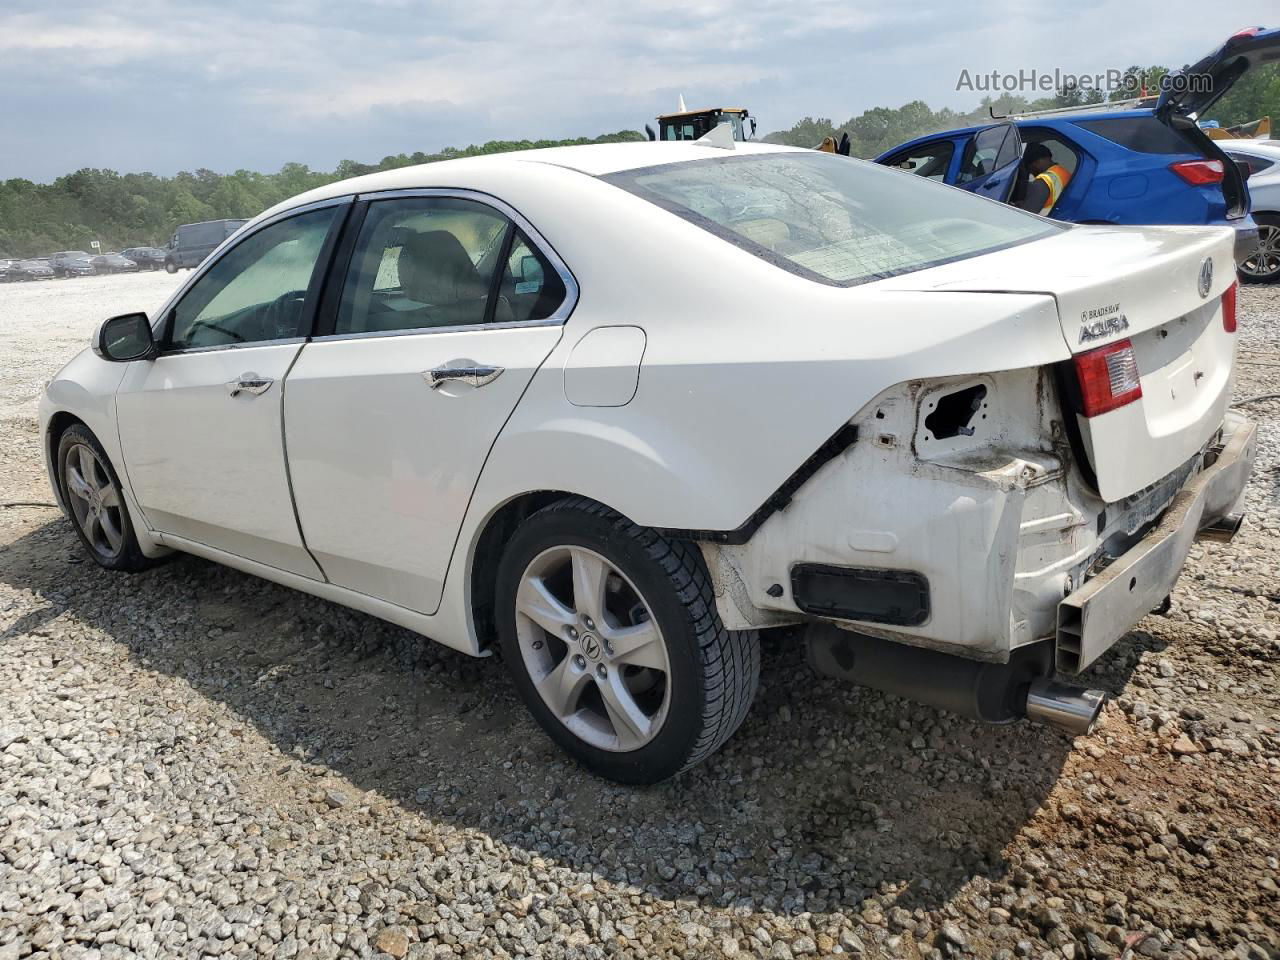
(170, 267)
(128, 556)
(1268, 253)
(712, 671)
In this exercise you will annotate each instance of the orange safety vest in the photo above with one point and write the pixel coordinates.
(1056, 179)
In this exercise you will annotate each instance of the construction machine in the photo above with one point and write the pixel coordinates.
(1254, 130)
(687, 124)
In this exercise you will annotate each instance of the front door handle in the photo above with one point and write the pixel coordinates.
(462, 371)
(249, 383)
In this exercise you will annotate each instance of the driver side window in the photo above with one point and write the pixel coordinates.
(256, 292)
(989, 151)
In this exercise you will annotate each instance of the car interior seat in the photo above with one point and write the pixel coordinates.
(436, 272)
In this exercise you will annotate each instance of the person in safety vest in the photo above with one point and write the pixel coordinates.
(1048, 179)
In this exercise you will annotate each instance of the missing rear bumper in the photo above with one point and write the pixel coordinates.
(991, 692)
(1108, 605)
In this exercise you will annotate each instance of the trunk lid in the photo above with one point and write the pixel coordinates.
(1189, 94)
(1142, 284)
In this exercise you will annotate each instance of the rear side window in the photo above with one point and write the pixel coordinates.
(831, 219)
(1141, 134)
(531, 288)
(1254, 165)
(422, 262)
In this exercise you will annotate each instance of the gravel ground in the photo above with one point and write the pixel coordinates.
(194, 763)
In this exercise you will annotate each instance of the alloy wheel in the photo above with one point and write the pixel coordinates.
(1265, 262)
(95, 500)
(592, 648)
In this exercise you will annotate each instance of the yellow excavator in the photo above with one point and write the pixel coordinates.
(687, 124)
(1255, 130)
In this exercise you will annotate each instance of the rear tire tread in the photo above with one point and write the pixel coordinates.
(730, 658)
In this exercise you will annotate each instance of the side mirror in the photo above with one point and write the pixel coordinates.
(124, 338)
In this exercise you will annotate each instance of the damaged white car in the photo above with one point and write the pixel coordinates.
(616, 409)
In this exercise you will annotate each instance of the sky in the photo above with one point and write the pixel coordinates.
(252, 84)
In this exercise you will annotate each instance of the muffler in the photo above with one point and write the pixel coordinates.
(991, 692)
(1223, 529)
(1073, 709)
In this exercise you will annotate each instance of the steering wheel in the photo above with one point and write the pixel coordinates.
(279, 318)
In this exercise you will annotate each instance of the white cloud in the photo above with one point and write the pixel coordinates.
(252, 83)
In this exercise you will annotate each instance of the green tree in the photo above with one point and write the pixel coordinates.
(135, 208)
(1255, 95)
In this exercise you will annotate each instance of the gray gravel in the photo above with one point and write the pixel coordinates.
(197, 763)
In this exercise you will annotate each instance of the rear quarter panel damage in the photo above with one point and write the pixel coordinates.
(986, 516)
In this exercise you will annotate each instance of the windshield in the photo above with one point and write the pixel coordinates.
(831, 219)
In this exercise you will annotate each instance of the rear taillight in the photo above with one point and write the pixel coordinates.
(1108, 377)
(1199, 173)
(1229, 309)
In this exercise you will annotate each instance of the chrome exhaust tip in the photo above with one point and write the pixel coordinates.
(1073, 709)
(1223, 529)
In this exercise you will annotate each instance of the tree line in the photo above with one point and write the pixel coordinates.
(130, 209)
(873, 132)
(139, 209)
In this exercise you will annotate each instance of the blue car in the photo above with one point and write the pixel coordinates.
(1150, 164)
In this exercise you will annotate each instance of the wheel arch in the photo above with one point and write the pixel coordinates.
(58, 424)
(495, 531)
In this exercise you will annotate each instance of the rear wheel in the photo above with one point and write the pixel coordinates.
(91, 490)
(1264, 265)
(613, 640)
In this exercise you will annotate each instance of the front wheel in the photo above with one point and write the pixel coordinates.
(614, 642)
(170, 267)
(1264, 265)
(91, 491)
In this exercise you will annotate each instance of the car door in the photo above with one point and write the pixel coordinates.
(991, 163)
(200, 425)
(448, 306)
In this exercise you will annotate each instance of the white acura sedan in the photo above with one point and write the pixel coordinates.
(617, 409)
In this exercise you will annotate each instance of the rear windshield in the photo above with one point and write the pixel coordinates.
(1141, 134)
(831, 219)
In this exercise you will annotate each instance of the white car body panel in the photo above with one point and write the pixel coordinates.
(383, 465)
(1264, 187)
(1148, 277)
(603, 369)
(729, 388)
(703, 444)
(206, 465)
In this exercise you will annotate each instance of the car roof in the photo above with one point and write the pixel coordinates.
(1257, 148)
(597, 159)
(1020, 122)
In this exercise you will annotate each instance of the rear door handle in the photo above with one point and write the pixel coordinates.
(462, 371)
(249, 383)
